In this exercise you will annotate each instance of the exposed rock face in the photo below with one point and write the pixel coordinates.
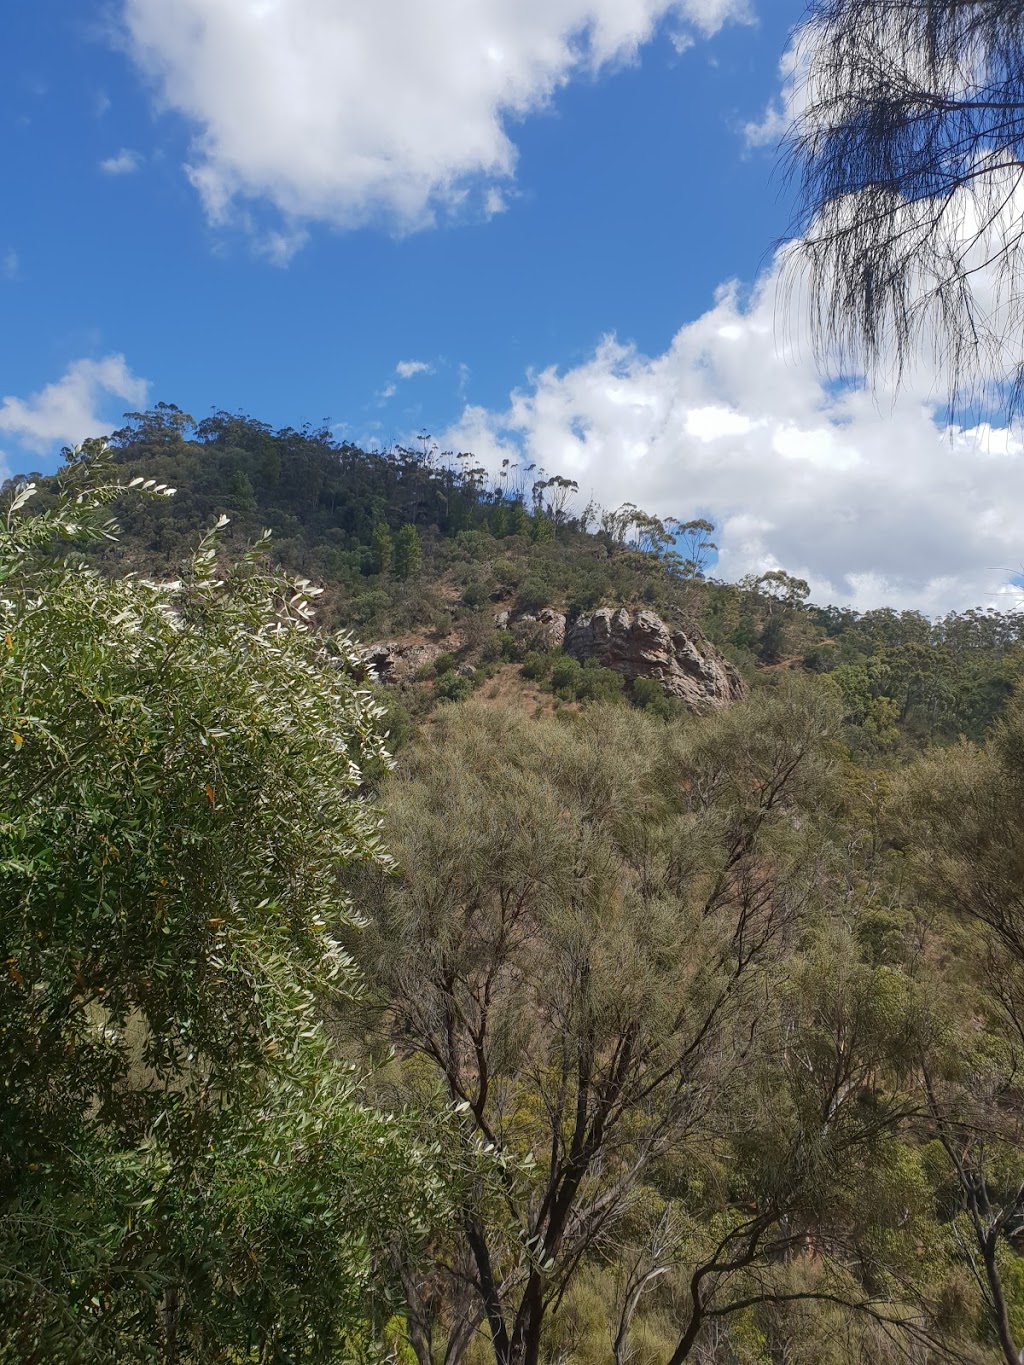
(640, 645)
(551, 623)
(391, 662)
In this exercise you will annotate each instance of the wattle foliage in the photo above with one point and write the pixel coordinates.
(184, 1170)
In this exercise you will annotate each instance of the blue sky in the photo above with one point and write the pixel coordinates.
(545, 229)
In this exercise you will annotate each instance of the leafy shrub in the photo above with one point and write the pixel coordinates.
(395, 721)
(572, 681)
(491, 648)
(648, 695)
(566, 677)
(475, 544)
(820, 659)
(535, 593)
(598, 684)
(508, 646)
(501, 647)
(476, 594)
(507, 571)
(586, 595)
(535, 666)
(369, 608)
(185, 759)
(452, 687)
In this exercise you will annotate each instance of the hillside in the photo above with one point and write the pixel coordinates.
(660, 1003)
(423, 550)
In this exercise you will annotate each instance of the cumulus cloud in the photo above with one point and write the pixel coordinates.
(73, 407)
(339, 111)
(126, 162)
(868, 497)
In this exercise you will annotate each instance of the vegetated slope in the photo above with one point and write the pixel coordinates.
(426, 550)
(704, 1034)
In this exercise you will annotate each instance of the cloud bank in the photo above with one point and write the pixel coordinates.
(868, 497)
(341, 111)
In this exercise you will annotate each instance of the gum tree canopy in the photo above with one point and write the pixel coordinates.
(907, 149)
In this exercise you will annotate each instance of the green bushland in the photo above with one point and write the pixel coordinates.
(460, 546)
(618, 1034)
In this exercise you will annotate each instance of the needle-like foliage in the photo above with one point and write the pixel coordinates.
(907, 151)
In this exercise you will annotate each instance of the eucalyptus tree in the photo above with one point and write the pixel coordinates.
(185, 1173)
(698, 547)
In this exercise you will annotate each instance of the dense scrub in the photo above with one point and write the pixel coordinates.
(740, 1019)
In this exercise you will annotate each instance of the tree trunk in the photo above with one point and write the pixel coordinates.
(169, 1310)
(1000, 1315)
(489, 1292)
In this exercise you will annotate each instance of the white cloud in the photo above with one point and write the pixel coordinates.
(494, 202)
(867, 498)
(279, 247)
(72, 408)
(126, 162)
(791, 100)
(407, 369)
(708, 16)
(339, 111)
(10, 264)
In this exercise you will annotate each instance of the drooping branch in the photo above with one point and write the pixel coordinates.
(906, 150)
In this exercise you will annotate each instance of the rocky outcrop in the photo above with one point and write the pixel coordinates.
(641, 645)
(549, 624)
(391, 662)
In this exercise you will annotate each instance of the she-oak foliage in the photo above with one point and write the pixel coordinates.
(906, 147)
(622, 949)
(185, 1174)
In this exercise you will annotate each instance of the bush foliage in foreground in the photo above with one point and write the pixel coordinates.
(184, 1172)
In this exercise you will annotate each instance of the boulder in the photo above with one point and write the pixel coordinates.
(641, 645)
(550, 625)
(391, 662)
